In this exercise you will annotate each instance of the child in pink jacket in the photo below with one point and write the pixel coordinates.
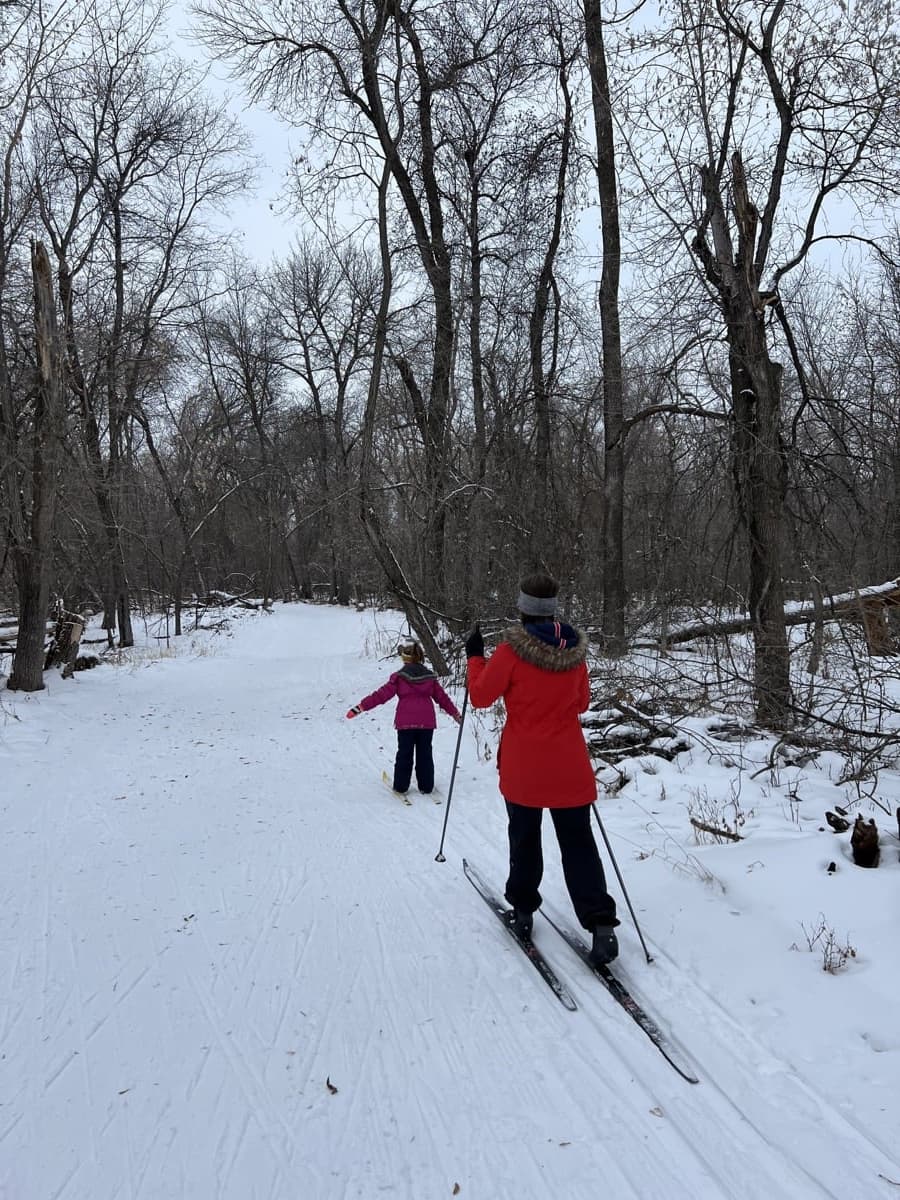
(417, 689)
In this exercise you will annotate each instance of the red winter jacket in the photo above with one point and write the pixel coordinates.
(540, 672)
(417, 690)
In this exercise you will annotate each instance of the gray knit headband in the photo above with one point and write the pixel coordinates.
(536, 606)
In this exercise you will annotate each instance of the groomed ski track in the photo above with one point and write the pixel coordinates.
(232, 970)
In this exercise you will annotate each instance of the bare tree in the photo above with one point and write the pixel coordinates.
(430, 96)
(340, 66)
(32, 411)
(128, 158)
(763, 116)
(614, 595)
(327, 301)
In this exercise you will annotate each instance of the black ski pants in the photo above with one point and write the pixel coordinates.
(581, 863)
(414, 745)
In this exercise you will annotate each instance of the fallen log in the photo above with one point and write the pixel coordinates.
(634, 714)
(12, 630)
(867, 605)
(218, 599)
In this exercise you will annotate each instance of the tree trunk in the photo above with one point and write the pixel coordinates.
(178, 596)
(32, 560)
(614, 595)
(544, 360)
(758, 454)
(187, 535)
(119, 600)
(761, 482)
(116, 604)
(426, 213)
(115, 588)
(381, 548)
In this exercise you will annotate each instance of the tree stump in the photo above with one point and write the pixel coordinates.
(876, 627)
(864, 843)
(65, 643)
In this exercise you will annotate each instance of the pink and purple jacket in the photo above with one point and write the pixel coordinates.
(417, 691)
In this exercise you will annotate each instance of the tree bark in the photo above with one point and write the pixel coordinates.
(381, 548)
(116, 608)
(758, 454)
(761, 483)
(32, 559)
(424, 207)
(614, 593)
(545, 537)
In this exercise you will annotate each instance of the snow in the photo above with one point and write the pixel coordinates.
(232, 968)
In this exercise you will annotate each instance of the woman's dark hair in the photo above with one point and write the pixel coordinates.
(539, 585)
(542, 587)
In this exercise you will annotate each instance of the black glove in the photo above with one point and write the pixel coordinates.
(475, 644)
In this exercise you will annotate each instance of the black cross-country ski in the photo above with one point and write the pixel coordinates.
(504, 914)
(620, 993)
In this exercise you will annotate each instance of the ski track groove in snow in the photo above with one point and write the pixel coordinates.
(84, 1037)
(260, 1108)
(753, 1130)
(616, 1034)
(64, 1186)
(746, 1049)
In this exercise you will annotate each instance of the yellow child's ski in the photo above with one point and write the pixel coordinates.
(388, 783)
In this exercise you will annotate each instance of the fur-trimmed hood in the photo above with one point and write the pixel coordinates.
(550, 645)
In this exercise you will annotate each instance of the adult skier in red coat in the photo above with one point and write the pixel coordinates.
(540, 673)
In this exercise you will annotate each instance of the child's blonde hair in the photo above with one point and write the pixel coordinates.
(410, 652)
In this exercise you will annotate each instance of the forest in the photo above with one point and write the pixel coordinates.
(608, 290)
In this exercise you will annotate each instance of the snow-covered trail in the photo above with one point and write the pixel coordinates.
(232, 969)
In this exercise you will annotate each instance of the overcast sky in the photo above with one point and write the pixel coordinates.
(260, 230)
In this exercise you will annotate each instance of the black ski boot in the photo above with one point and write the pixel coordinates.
(523, 923)
(605, 947)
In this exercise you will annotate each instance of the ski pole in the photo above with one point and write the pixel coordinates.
(612, 858)
(439, 857)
